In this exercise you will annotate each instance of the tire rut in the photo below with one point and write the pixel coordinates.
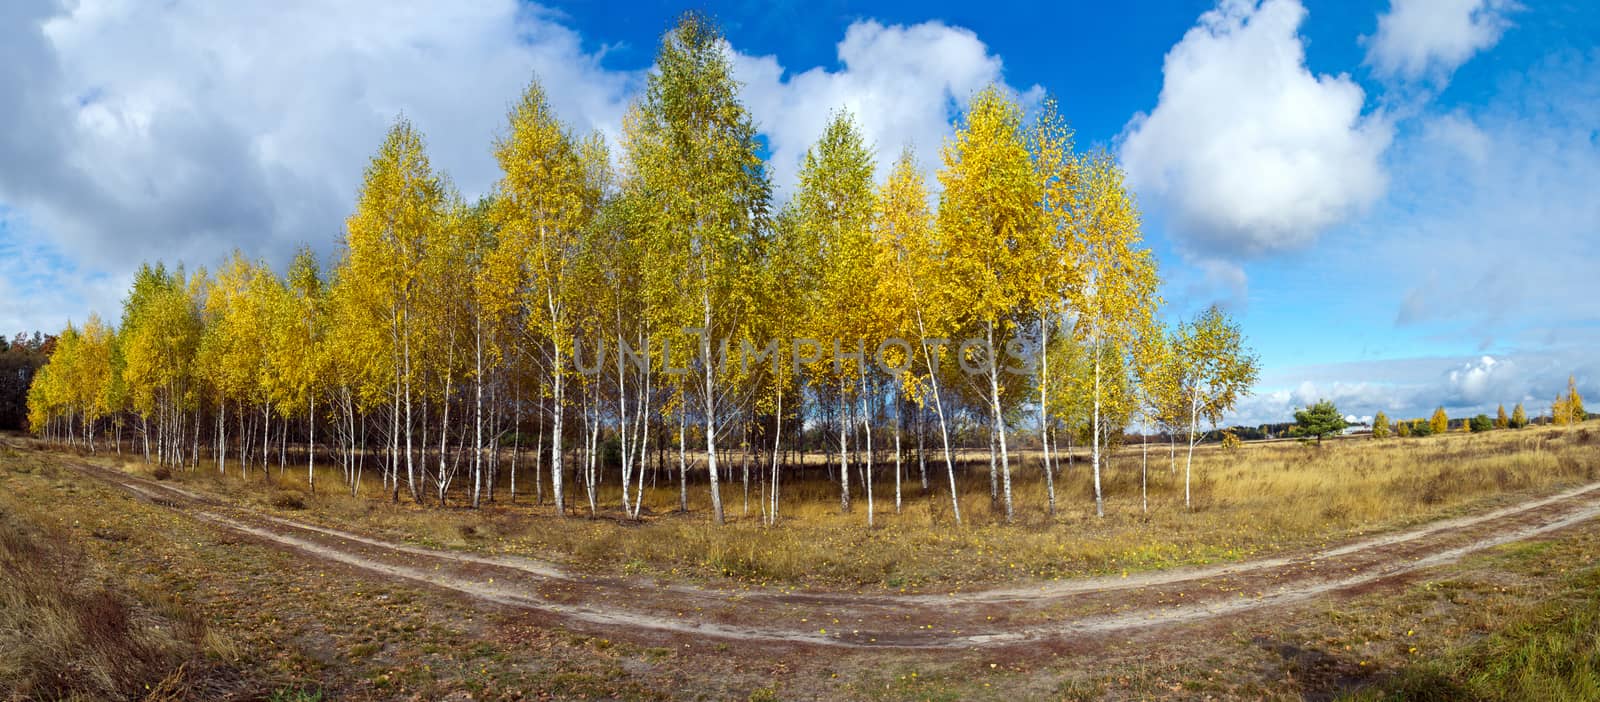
(996, 617)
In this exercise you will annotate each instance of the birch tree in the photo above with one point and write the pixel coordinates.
(1219, 370)
(1116, 295)
(397, 209)
(693, 149)
(833, 211)
(918, 278)
(989, 219)
(1057, 252)
(541, 208)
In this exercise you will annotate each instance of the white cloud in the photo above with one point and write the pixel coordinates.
(180, 130)
(1246, 149)
(1413, 387)
(903, 85)
(1498, 216)
(1431, 38)
(1476, 381)
(39, 291)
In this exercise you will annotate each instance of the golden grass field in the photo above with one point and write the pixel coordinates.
(1255, 500)
(110, 597)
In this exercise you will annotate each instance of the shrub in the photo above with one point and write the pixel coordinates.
(69, 634)
(287, 500)
(1230, 441)
(1481, 423)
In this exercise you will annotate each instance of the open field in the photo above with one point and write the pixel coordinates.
(1260, 500)
(1478, 591)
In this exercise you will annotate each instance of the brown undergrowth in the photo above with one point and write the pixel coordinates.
(69, 630)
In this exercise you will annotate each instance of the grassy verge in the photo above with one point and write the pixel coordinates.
(1550, 651)
(70, 630)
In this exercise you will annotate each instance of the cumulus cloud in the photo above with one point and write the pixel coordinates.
(1247, 149)
(1429, 39)
(902, 84)
(1413, 387)
(1477, 381)
(1273, 405)
(1480, 384)
(180, 130)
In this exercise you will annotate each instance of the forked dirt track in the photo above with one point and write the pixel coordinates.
(1002, 617)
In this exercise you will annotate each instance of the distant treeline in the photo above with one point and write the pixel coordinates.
(20, 358)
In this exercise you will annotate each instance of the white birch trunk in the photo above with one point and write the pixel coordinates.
(1044, 414)
(844, 454)
(710, 403)
(944, 428)
(555, 438)
(1099, 500)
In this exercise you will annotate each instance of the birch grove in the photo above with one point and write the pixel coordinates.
(626, 316)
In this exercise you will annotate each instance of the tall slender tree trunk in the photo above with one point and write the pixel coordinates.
(411, 473)
(866, 468)
(592, 476)
(944, 428)
(844, 452)
(710, 402)
(361, 458)
(994, 462)
(745, 466)
(444, 437)
(393, 478)
(922, 452)
(1044, 414)
(244, 442)
(283, 445)
(477, 420)
(266, 439)
(222, 437)
(311, 444)
(1144, 471)
(683, 461)
(516, 437)
(538, 460)
(898, 478)
(1099, 500)
(624, 432)
(555, 437)
(999, 422)
(642, 445)
(777, 439)
(1188, 464)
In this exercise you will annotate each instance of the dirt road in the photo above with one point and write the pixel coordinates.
(1002, 617)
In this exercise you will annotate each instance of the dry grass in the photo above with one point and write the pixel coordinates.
(70, 631)
(1259, 499)
(302, 630)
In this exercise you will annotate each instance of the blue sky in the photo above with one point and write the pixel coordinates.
(1396, 200)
